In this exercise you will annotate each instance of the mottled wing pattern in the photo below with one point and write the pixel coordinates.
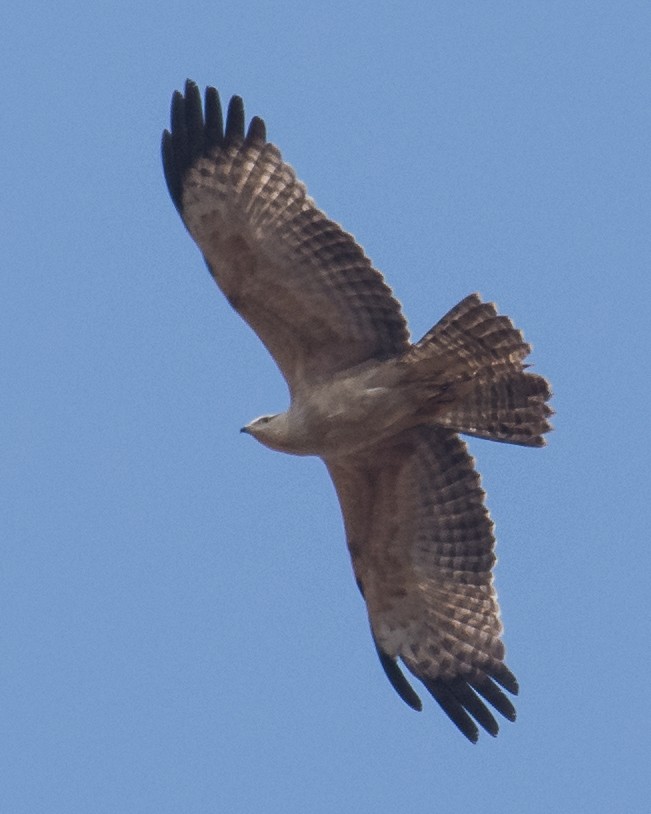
(299, 280)
(421, 542)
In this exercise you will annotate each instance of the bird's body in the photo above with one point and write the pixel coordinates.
(333, 417)
(355, 410)
(384, 414)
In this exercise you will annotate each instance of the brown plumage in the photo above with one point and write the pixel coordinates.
(382, 413)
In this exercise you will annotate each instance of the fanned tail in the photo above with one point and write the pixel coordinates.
(511, 408)
(474, 358)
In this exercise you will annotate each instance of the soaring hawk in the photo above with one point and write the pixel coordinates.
(384, 414)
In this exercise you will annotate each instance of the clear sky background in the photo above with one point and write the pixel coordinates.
(181, 631)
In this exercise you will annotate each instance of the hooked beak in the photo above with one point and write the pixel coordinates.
(245, 429)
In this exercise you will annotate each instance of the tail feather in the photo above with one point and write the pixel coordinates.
(472, 362)
(469, 338)
(511, 408)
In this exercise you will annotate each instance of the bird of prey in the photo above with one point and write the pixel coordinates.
(384, 414)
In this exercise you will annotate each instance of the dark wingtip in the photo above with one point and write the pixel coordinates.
(172, 176)
(462, 699)
(398, 680)
(494, 695)
(214, 120)
(257, 131)
(505, 677)
(191, 86)
(174, 148)
(443, 694)
(198, 129)
(235, 120)
(194, 125)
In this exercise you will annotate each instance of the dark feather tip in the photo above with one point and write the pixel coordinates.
(235, 120)
(462, 700)
(193, 121)
(214, 136)
(474, 706)
(494, 695)
(197, 129)
(453, 708)
(257, 131)
(397, 679)
(505, 677)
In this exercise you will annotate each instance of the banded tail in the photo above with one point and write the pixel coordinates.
(480, 354)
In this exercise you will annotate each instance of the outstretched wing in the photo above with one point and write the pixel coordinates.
(421, 542)
(301, 282)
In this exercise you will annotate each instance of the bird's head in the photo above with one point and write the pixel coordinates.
(270, 430)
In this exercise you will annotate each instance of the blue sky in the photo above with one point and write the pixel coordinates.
(180, 627)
